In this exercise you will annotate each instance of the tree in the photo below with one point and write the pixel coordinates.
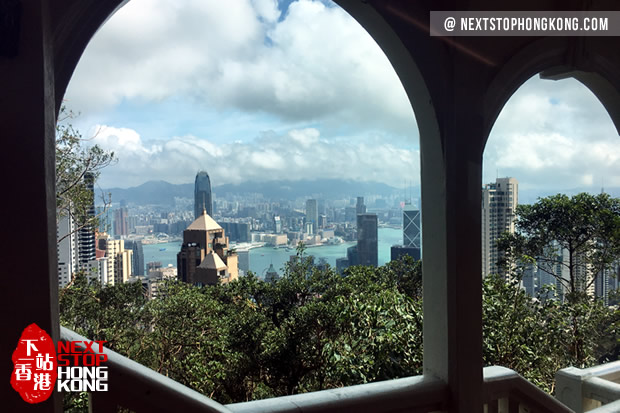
(584, 227)
(77, 168)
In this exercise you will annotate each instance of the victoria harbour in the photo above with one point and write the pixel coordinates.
(261, 258)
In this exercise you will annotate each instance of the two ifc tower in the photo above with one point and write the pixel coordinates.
(202, 195)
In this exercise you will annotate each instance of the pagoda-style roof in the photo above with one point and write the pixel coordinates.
(212, 261)
(204, 223)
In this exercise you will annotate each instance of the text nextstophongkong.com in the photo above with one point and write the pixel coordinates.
(534, 23)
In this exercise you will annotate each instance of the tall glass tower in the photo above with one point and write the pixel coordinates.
(411, 226)
(202, 194)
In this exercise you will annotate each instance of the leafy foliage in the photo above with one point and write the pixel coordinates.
(77, 166)
(314, 329)
(586, 227)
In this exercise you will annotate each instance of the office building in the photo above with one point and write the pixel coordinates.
(399, 251)
(138, 256)
(120, 222)
(360, 208)
(86, 234)
(205, 258)
(277, 224)
(411, 227)
(202, 195)
(312, 215)
(244, 260)
(499, 201)
(367, 239)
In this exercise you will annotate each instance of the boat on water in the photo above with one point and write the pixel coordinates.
(162, 249)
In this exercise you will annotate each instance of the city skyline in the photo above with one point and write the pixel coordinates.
(247, 104)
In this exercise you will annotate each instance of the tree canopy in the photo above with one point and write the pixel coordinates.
(314, 329)
(578, 236)
(77, 168)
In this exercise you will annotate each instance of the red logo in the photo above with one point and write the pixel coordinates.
(34, 360)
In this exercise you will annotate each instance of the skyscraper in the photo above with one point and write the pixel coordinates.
(120, 222)
(202, 194)
(411, 226)
(499, 201)
(312, 214)
(86, 234)
(138, 256)
(360, 208)
(367, 239)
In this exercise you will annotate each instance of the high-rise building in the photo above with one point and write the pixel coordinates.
(202, 195)
(367, 239)
(76, 242)
(411, 227)
(349, 214)
(411, 235)
(399, 251)
(499, 201)
(120, 264)
(312, 214)
(67, 249)
(606, 282)
(120, 222)
(277, 224)
(86, 234)
(244, 260)
(138, 256)
(205, 258)
(360, 208)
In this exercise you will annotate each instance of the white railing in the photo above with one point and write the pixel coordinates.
(505, 391)
(595, 389)
(140, 389)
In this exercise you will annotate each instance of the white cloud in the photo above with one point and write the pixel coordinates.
(317, 63)
(269, 157)
(554, 135)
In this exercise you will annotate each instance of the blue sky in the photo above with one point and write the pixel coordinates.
(260, 90)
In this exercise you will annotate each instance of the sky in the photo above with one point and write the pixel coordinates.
(266, 90)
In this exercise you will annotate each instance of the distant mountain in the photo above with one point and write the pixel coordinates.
(320, 188)
(163, 193)
(152, 193)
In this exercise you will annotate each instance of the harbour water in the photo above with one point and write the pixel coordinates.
(261, 258)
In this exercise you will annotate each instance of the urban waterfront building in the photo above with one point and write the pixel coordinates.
(412, 231)
(360, 208)
(244, 261)
(399, 251)
(499, 201)
(138, 256)
(205, 258)
(202, 195)
(237, 231)
(312, 215)
(119, 264)
(120, 222)
(367, 239)
(271, 276)
(412, 235)
(277, 224)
